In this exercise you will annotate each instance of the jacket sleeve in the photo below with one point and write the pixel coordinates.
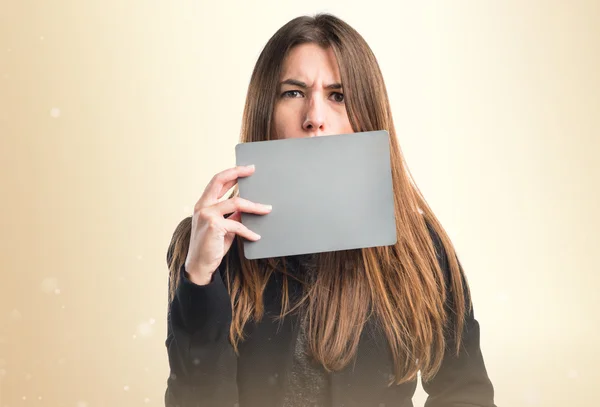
(462, 380)
(202, 362)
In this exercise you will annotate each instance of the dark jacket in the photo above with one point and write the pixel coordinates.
(206, 372)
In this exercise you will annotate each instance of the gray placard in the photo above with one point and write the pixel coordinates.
(328, 193)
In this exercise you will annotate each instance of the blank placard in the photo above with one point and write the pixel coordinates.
(328, 193)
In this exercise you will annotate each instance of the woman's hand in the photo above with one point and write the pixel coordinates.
(212, 234)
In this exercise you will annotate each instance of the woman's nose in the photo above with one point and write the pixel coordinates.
(314, 119)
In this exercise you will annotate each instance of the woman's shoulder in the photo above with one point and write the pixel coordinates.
(181, 233)
(443, 254)
(437, 241)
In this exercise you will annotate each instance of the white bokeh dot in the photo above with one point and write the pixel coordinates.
(503, 297)
(139, 257)
(144, 329)
(57, 291)
(39, 397)
(2, 373)
(146, 400)
(126, 388)
(55, 112)
(152, 321)
(573, 374)
(42, 37)
(49, 285)
(81, 404)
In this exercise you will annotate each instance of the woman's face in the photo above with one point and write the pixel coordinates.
(310, 98)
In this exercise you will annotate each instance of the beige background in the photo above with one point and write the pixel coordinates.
(115, 114)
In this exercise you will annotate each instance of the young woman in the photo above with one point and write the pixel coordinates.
(347, 328)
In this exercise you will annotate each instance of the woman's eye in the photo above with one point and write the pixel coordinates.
(338, 97)
(292, 94)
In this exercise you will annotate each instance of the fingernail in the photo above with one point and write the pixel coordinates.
(258, 236)
(269, 207)
(250, 166)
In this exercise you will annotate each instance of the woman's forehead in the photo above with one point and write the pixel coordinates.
(310, 62)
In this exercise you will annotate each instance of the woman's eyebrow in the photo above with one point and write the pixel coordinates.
(294, 82)
(300, 84)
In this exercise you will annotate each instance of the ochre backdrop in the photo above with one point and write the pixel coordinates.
(115, 114)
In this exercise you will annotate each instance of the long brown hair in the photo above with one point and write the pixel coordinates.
(401, 287)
